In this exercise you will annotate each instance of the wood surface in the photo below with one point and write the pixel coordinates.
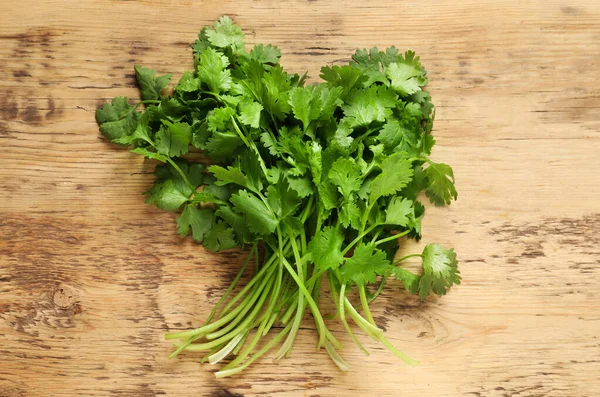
(91, 278)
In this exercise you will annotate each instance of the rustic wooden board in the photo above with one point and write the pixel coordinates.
(90, 279)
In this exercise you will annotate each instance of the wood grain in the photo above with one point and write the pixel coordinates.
(90, 279)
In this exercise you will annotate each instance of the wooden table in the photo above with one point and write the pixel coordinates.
(90, 278)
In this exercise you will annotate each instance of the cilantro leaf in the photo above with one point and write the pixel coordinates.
(326, 248)
(440, 270)
(141, 133)
(237, 222)
(265, 54)
(396, 173)
(350, 214)
(226, 34)
(228, 175)
(301, 185)
(283, 200)
(117, 118)
(409, 279)
(440, 189)
(397, 136)
(345, 174)
(398, 211)
(260, 219)
(202, 42)
(345, 77)
(250, 113)
(365, 265)
(305, 105)
(406, 76)
(277, 90)
(149, 154)
(174, 140)
(219, 237)
(170, 190)
(212, 70)
(222, 145)
(166, 196)
(188, 83)
(220, 119)
(199, 220)
(150, 86)
(362, 107)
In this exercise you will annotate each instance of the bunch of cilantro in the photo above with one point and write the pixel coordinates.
(318, 181)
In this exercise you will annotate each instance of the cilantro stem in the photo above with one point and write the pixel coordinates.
(287, 345)
(379, 289)
(239, 132)
(408, 360)
(241, 343)
(359, 238)
(221, 354)
(337, 359)
(144, 102)
(221, 301)
(371, 330)
(365, 304)
(405, 258)
(229, 316)
(321, 327)
(362, 137)
(182, 174)
(217, 96)
(242, 327)
(259, 333)
(377, 334)
(392, 237)
(376, 236)
(247, 306)
(365, 218)
(233, 284)
(254, 280)
(341, 310)
(228, 372)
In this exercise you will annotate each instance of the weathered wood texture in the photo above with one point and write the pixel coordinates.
(90, 278)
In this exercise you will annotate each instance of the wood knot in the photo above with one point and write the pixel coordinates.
(64, 297)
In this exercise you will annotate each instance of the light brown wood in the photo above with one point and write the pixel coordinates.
(90, 278)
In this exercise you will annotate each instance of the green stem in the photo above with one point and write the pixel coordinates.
(405, 258)
(359, 238)
(365, 217)
(182, 174)
(362, 137)
(241, 328)
(379, 289)
(340, 306)
(214, 311)
(254, 280)
(206, 329)
(377, 334)
(232, 286)
(337, 359)
(257, 355)
(289, 342)
(217, 96)
(321, 327)
(392, 237)
(144, 102)
(365, 304)
(247, 306)
(239, 132)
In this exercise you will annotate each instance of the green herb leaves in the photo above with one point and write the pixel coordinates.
(326, 178)
(439, 270)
